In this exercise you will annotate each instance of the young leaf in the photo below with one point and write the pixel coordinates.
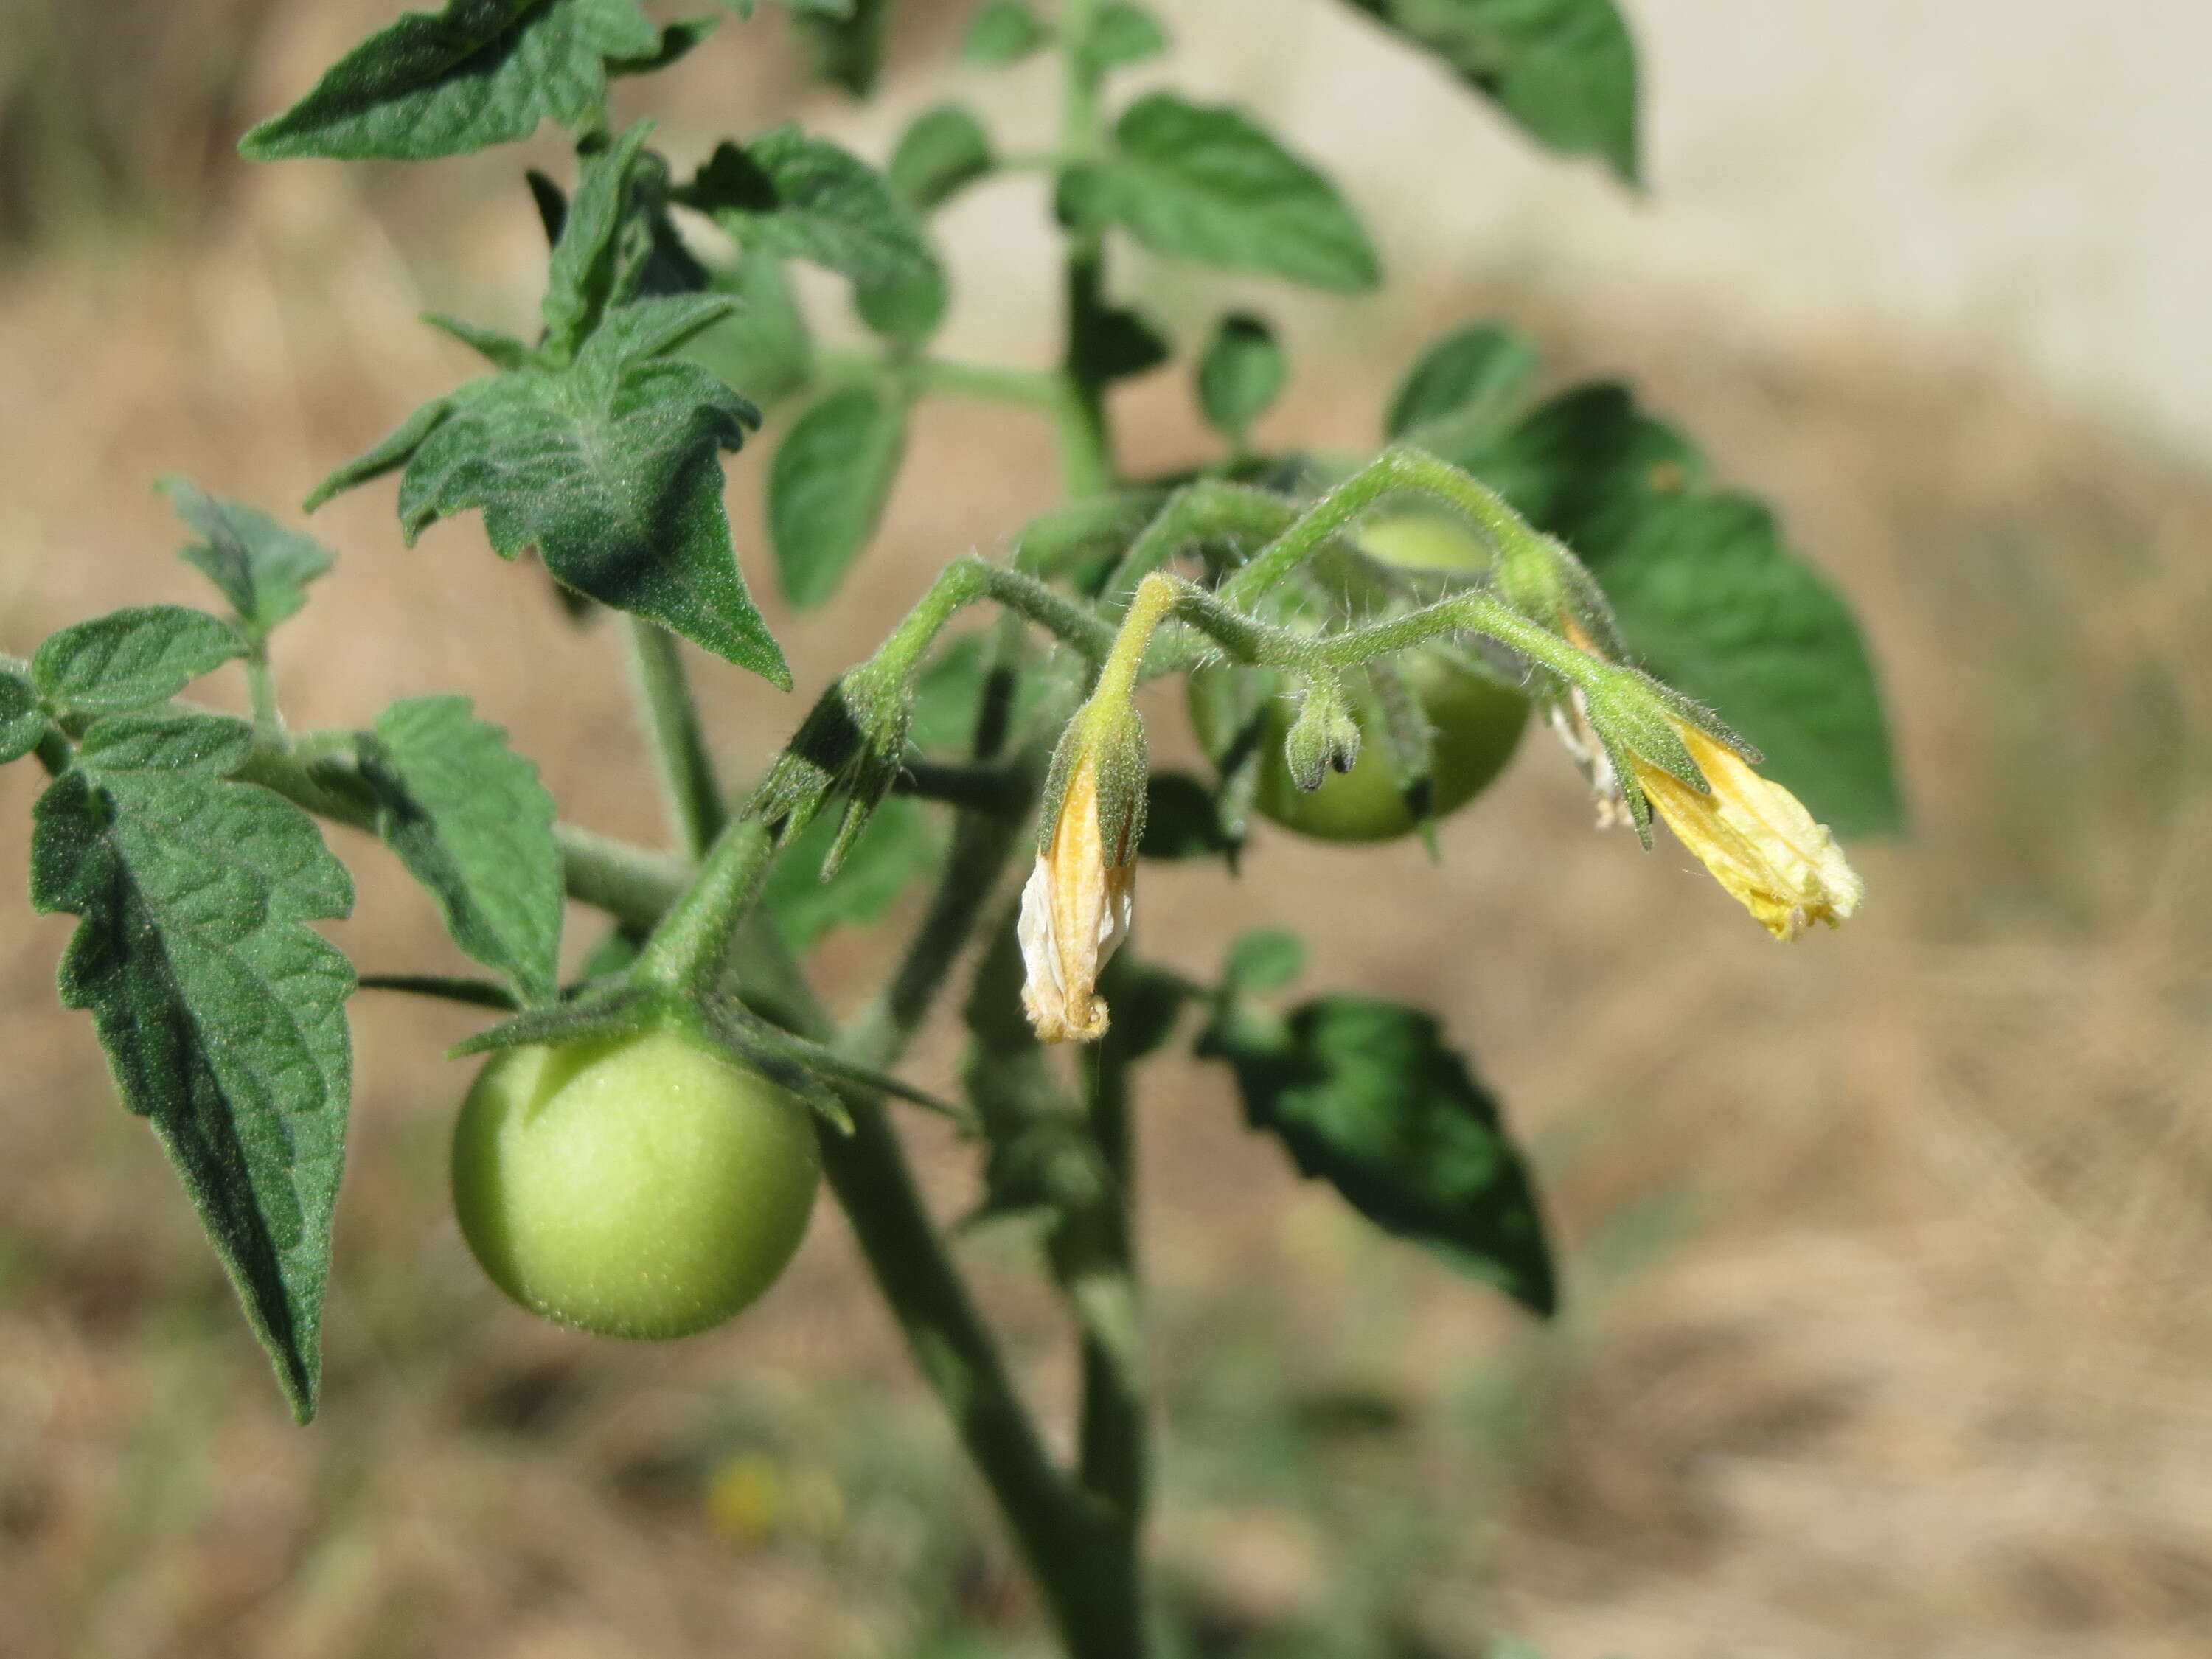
(221, 1011)
(806, 199)
(763, 346)
(1003, 33)
(22, 724)
(478, 73)
(131, 659)
(1709, 597)
(901, 843)
(942, 151)
(581, 275)
(1122, 34)
(1241, 375)
(471, 821)
(1366, 1096)
(1464, 392)
(1563, 70)
(909, 310)
(1202, 182)
(847, 38)
(261, 567)
(832, 475)
(609, 467)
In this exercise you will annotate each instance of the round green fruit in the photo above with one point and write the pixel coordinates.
(1475, 722)
(645, 1186)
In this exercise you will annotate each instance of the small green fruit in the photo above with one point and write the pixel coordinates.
(644, 1187)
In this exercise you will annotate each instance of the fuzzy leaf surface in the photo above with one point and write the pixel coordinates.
(221, 1011)
(471, 822)
(1564, 70)
(131, 659)
(1367, 1096)
(807, 199)
(609, 466)
(262, 568)
(1205, 183)
(21, 725)
(478, 73)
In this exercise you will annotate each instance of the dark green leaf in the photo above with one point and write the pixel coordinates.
(1266, 959)
(479, 73)
(901, 843)
(1181, 820)
(221, 1011)
(1201, 182)
(471, 821)
(832, 475)
(762, 348)
(1565, 69)
(1003, 33)
(261, 567)
(581, 275)
(1122, 35)
(1367, 1096)
(1241, 374)
(1464, 392)
(678, 42)
(806, 199)
(848, 42)
(21, 725)
(1115, 343)
(1709, 597)
(609, 467)
(942, 150)
(131, 659)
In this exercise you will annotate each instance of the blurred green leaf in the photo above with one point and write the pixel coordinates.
(261, 567)
(221, 1011)
(1205, 183)
(903, 842)
(1241, 375)
(807, 199)
(1266, 959)
(1181, 820)
(826, 491)
(609, 467)
(1122, 34)
(847, 38)
(1003, 33)
(131, 659)
(478, 73)
(1464, 392)
(472, 823)
(1366, 1096)
(1565, 70)
(942, 150)
(763, 346)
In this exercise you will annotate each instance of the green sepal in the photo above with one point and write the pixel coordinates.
(1108, 733)
(220, 1007)
(1325, 735)
(852, 743)
(597, 1014)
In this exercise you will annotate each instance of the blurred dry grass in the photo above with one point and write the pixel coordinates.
(1888, 1326)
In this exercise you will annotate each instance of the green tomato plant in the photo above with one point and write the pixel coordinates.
(640, 1151)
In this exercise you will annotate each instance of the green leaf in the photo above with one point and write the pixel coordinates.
(807, 199)
(1241, 374)
(1181, 819)
(901, 843)
(1464, 392)
(908, 311)
(677, 41)
(1266, 959)
(1122, 34)
(479, 73)
(498, 349)
(261, 567)
(221, 1011)
(609, 467)
(471, 821)
(1116, 342)
(1204, 183)
(1003, 33)
(1367, 1096)
(22, 724)
(1563, 70)
(942, 151)
(131, 659)
(832, 475)
(1709, 597)
(581, 275)
(762, 348)
(848, 38)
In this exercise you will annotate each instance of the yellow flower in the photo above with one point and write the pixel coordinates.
(1757, 838)
(1075, 912)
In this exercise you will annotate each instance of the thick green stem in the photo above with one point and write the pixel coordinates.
(261, 692)
(1113, 1433)
(670, 717)
(1086, 443)
(969, 579)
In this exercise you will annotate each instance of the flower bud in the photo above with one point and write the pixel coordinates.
(1325, 738)
(1077, 907)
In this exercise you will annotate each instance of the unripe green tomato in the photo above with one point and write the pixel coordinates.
(1475, 722)
(645, 1186)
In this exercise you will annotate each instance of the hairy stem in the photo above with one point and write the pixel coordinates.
(670, 714)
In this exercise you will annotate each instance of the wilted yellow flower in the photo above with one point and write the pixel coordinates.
(1075, 914)
(1757, 838)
